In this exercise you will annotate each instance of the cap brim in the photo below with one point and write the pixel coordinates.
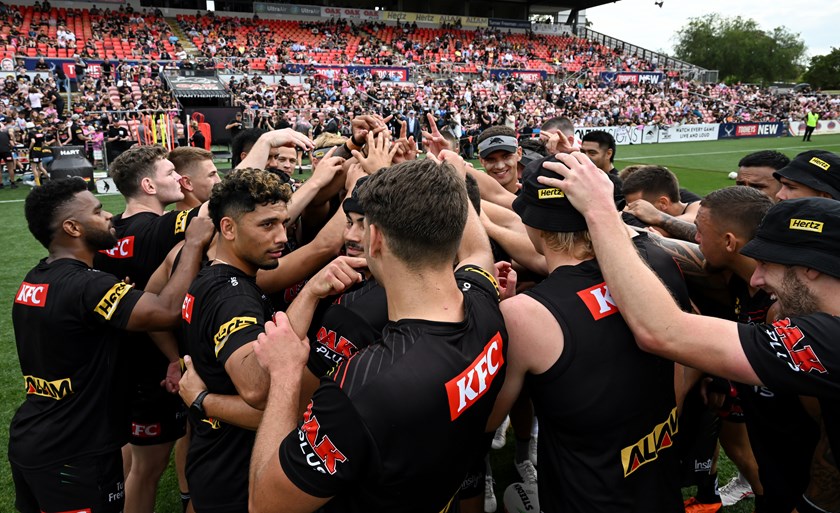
(789, 254)
(805, 178)
(498, 147)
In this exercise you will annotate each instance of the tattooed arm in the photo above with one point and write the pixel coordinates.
(824, 488)
(673, 226)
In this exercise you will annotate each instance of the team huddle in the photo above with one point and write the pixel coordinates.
(340, 344)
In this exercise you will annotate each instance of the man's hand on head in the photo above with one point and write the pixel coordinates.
(587, 187)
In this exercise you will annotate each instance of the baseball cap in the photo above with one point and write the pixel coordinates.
(352, 203)
(529, 156)
(804, 231)
(74, 117)
(496, 143)
(547, 208)
(818, 169)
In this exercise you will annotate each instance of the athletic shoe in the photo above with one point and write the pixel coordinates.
(532, 450)
(735, 490)
(500, 438)
(527, 472)
(692, 506)
(489, 495)
(13, 185)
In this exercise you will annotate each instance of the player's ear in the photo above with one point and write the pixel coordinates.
(375, 241)
(227, 228)
(72, 228)
(186, 183)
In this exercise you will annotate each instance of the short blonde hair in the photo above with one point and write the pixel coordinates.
(576, 244)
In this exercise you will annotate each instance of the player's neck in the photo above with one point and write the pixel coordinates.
(428, 294)
(744, 268)
(226, 255)
(74, 251)
(142, 204)
(188, 202)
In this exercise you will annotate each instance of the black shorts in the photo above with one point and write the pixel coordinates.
(157, 417)
(34, 159)
(93, 484)
(7, 156)
(473, 484)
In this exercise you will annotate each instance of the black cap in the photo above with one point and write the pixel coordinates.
(547, 208)
(352, 203)
(804, 231)
(818, 169)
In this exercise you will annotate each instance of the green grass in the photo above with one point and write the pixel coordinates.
(701, 167)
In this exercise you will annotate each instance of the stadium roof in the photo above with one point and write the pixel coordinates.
(571, 4)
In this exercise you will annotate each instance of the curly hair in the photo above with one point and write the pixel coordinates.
(243, 142)
(133, 165)
(44, 203)
(242, 190)
(765, 158)
(421, 207)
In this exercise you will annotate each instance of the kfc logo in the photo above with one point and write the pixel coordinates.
(145, 430)
(186, 308)
(32, 294)
(466, 389)
(123, 249)
(599, 301)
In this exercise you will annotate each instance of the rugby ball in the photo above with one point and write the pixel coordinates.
(733, 175)
(521, 498)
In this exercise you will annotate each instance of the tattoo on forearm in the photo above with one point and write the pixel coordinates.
(678, 228)
(686, 254)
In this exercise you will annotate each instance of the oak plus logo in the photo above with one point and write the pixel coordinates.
(57, 389)
(466, 389)
(322, 455)
(647, 449)
(339, 345)
(32, 294)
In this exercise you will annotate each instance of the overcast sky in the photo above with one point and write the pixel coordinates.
(647, 25)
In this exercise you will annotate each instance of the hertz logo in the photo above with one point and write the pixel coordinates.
(550, 194)
(181, 221)
(58, 389)
(108, 305)
(806, 225)
(647, 449)
(820, 163)
(229, 328)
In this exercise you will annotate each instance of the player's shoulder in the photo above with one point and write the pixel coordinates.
(469, 276)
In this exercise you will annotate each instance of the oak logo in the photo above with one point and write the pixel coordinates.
(340, 346)
(466, 389)
(552, 193)
(58, 389)
(647, 449)
(181, 221)
(229, 328)
(32, 294)
(806, 225)
(187, 307)
(123, 249)
(108, 305)
(802, 356)
(327, 454)
(213, 423)
(599, 301)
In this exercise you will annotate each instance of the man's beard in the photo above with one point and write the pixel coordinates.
(101, 240)
(795, 299)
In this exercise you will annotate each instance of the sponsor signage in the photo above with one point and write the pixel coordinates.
(293, 9)
(197, 87)
(628, 77)
(688, 133)
(395, 73)
(350, 14)
(509, 24)
(738, 130)
(436, 19)
(623, 135)
(527, 75)
(824, 126)
(550, 28)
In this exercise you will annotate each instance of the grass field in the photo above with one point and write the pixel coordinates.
(701, 167)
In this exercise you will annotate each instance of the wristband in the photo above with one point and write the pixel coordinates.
(353, 145)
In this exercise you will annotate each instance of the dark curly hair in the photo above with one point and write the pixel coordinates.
(765, 158)
(43, 204)
(244, 141)
(242, 190)
(134, 164)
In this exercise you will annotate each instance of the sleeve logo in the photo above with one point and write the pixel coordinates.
(58, 389)
(108, 305)
(181, 221)
(802, 356)
(123, 249)
(647, 449)
(32, 294)
(325, 456)
(187, 307)
(229, 328)
(466, 389)
(599, 301)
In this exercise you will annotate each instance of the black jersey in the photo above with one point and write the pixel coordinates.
(37, 148)
(66, 318)
(607, 411)
(223, 310)
(774, 417)
(799, 355)
(406, 414)
(343, 326)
